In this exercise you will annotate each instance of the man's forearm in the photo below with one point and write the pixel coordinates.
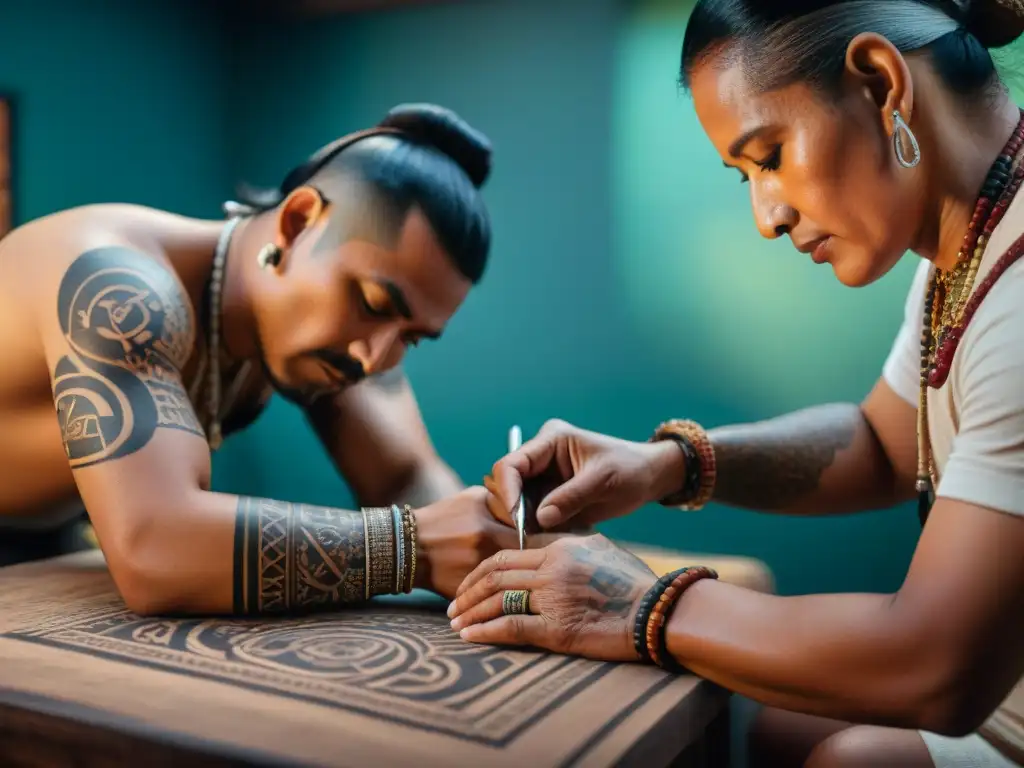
(820, 460)
(296, 557)
(430, 483)
(251, 556)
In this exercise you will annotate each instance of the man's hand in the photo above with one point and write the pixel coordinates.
(454, 536)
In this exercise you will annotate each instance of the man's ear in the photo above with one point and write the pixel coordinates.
(876, 66)
(297, 213)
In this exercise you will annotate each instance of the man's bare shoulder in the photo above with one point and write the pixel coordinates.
(35, 257)
(76, 292)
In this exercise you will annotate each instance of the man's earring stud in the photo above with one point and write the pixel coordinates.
(269, 256)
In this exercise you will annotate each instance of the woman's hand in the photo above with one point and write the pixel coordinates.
(454, 535)
(568, 473)
(584, 594)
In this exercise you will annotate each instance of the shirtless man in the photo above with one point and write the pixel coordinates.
(133, 339)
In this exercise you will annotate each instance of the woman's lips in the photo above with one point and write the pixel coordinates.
(819, 250)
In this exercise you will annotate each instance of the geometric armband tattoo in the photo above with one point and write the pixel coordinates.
(292, 558)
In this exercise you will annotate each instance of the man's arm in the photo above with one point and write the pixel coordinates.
(116, 339)
(375, 434)
(823, 460)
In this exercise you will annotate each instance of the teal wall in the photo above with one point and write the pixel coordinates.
(117, 100)
(651, 294)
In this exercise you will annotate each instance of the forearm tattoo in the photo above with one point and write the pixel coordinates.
(775, 464)
(292, 558)
(129, 330)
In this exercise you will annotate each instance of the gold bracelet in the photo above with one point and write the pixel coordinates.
(410, 552)
(410, 519)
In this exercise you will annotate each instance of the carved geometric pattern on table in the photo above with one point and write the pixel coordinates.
(398, 665)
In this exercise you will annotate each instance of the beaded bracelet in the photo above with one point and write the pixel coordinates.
(655, 630)
(643, 613)
(691, 474)
(410, 525)
(400, 541)
(699, 482)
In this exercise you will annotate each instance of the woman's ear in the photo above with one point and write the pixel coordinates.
(878, 69)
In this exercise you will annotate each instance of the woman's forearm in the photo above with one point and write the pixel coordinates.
(849, 657)
(821, 460)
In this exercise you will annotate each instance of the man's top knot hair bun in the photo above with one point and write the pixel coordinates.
(428, 158)
(446, 132)
(995, 23)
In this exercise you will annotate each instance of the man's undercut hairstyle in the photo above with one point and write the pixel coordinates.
(782, 42)
(431, 160)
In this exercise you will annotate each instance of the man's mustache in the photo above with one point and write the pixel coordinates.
(350, 368)
(351, 372)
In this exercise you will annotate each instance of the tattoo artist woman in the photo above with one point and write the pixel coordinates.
(133, 339)
(864, 130)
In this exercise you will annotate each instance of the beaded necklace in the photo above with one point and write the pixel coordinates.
(209, 370)
(950, 305)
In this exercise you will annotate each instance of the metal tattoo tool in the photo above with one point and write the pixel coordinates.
(515, 442)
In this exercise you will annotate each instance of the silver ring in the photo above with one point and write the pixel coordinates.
(515, 601)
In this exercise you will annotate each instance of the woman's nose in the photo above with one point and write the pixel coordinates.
(774, 218)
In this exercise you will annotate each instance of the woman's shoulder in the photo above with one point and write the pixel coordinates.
(998, 286)
(992, 347)
(999, 290)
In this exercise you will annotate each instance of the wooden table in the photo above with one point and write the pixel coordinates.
(85, 682)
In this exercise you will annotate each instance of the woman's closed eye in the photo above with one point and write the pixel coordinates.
(770, 163)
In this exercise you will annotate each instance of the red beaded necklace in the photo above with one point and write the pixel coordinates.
(950, 305)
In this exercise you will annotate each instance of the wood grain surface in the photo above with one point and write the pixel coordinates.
(388, 684)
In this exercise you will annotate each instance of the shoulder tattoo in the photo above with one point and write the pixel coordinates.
(129, 330)
(296, 557)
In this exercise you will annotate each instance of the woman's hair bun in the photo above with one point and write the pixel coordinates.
(995, 23)
(446, 132)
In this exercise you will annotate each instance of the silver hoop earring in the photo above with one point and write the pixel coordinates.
(899, 125)
(269, 256)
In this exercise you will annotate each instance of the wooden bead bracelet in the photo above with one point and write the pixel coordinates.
(699, 455)
(649, 638)
(644, 613)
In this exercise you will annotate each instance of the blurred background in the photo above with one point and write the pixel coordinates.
(627, 284)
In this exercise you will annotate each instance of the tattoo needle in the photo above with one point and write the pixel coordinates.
(515, 442)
